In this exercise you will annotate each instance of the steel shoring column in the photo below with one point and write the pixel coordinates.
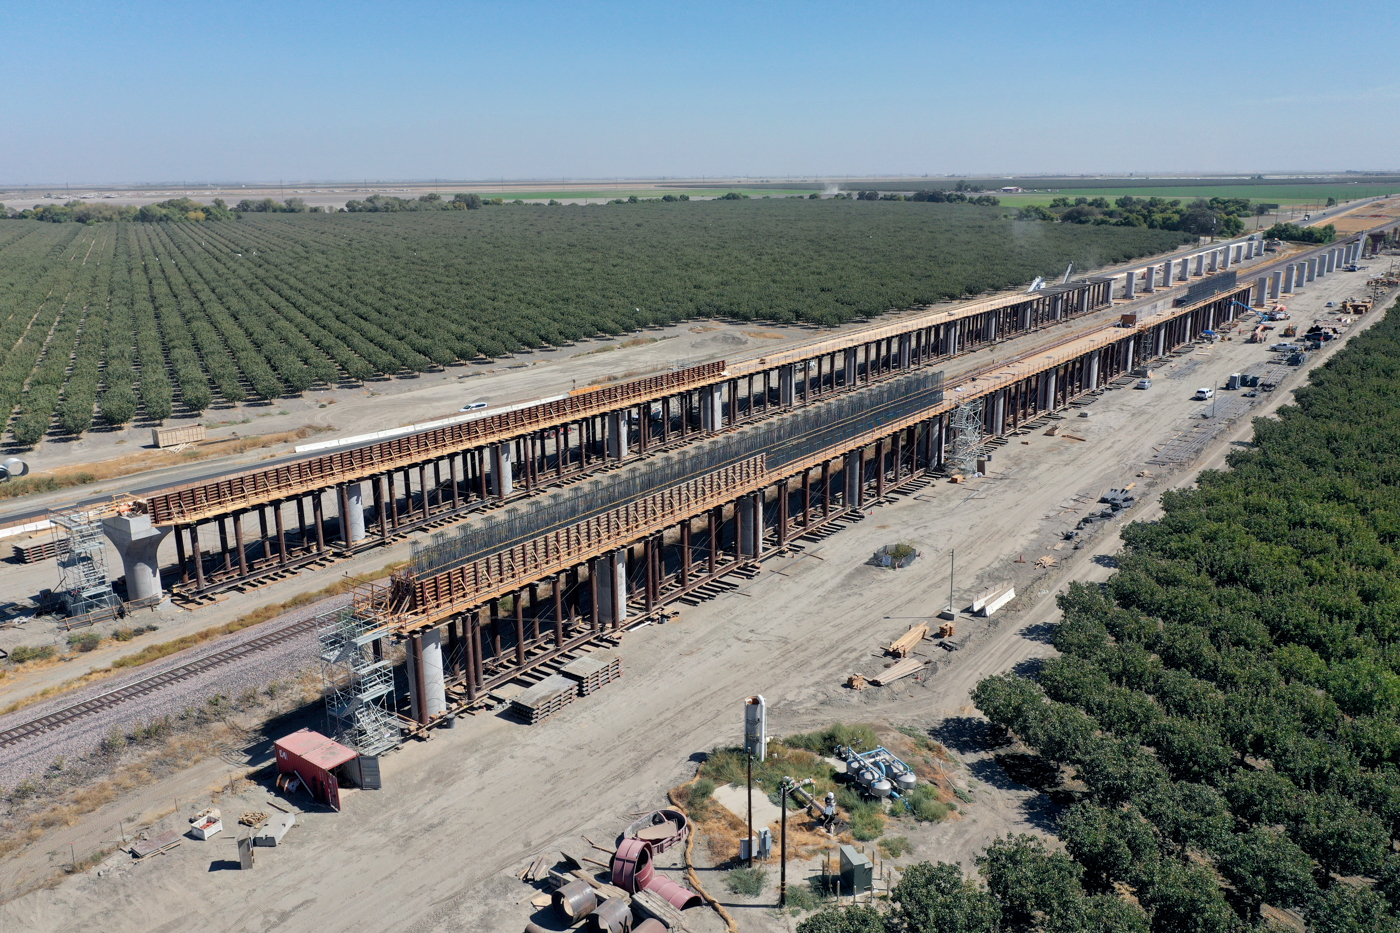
(739, 529)
(262, 527)
(418, 685)
(558, 586)
(716, 524)
(649, 584)
(392, 500)
(180, 554)
(519, 609)
(197, 557)
(454, 654)
(320, 523)
(342, 501)
(378, 486)
(237, 519)
(898, 454)
(806, 498)
(685, 552)
(881, 447)
(615, 587)
(826, 489)
(223, 545)
(595, 611)
(534, 613)
(471, 639)
(782, 511)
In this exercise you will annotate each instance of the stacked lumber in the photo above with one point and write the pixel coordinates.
(544, 699)
(855, 682)
(1046, 562)
(906, 643)
(897, 670)
(593, 671)
(946, 630)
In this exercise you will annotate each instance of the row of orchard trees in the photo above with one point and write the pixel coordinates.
(1232, 701)
(180, 316)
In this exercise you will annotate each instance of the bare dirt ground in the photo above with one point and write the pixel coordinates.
(434, 851)
(1365, 216)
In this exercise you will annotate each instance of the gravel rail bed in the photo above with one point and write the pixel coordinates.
(31, 758)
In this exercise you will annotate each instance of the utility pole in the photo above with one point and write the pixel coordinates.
(788, 784)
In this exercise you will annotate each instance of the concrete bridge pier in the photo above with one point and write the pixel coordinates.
(1093, 374)
(427, 688)
(502, 482)
(850, 366)
(1200, 264)
(906, 344)
(137, 541)
(352, 521)
(711, 409)
(1130, 282)
(617, 434)
(1147, 288)
(612, 589)
(1260, 284)
(787, 385)
(750, 526)
(1167, 268)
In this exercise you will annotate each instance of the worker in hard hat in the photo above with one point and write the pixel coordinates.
(829, 811)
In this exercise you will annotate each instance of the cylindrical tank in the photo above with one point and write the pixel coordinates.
(650, 925)
(868, 777)
(906, 781)
(880, 788)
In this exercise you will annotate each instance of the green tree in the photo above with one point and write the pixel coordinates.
(1268, 867)
(938, 898)
(1032, 884)
(859, 919)
(1344, 909)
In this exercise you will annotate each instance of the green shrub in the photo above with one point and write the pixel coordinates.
(84, 642)
(929, 811)
(858, 735)
(746, 881)
(25, 653)
(802, 896)
(925, 805)
(895, 846)
(123, 634)
(867, 822)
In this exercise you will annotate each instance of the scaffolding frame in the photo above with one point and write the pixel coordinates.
(84, 585)
(358, 685)
(966, 421)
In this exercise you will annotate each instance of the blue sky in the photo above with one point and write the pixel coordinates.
(232, 91)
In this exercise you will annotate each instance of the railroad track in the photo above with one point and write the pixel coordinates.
(152, 684)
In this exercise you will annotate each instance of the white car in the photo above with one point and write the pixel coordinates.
(1144, 383)
(1203, 394)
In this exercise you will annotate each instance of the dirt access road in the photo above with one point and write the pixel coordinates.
(432, 852)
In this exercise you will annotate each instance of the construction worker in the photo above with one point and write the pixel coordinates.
(829, 811)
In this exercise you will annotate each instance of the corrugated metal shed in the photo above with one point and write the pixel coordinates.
(315, 749)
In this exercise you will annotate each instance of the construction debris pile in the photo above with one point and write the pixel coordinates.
(635, 898)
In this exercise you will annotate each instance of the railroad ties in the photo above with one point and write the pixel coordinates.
(152, 684)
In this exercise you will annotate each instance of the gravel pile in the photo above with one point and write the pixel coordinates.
(31, 758)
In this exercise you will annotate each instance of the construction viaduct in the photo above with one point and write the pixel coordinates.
(578, 517)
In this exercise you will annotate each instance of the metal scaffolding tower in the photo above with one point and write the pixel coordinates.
(358, 685)
(83, 585)
(967, 436)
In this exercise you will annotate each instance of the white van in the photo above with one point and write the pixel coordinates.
(1203, 394)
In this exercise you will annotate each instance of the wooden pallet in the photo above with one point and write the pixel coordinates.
(546, 698)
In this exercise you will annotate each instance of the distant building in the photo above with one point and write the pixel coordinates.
(1011, 190)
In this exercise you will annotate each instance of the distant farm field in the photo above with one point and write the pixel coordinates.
(120, 322)
(1272, 194)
